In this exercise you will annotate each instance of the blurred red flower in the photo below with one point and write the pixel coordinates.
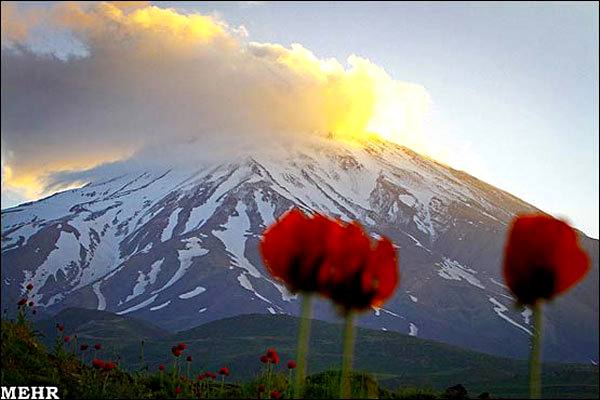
(272, 356)
(22, 302)
(60, 327)
(29, 286)
(224, 371)
(291, 364)
(189, 359)
(182, 346)
(67, 339)
(275, 394)
(175, 350)
(261, 388)
(97, 346)
(542, 258)
(178, 390)
(264, 359)
(293, 249)
(83, 347)
(108, 366)
(161, 367)
(356, 274)
(97, 363)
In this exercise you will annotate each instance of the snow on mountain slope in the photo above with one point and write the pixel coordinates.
(178, 245)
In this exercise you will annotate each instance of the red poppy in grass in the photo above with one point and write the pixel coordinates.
(275, 394)
(29, 286)
(261, 388)
(97, 363)
(272, 356)
(189, 359)
(291, 364)
(175, 350)
(161, 367)
(201, 377)
(83, 347)
(224, 371)
(212, 375)
(60, 327)
(357, 274)
(293, 249)
(178, 390)
(98, 346)
(108, 366)
(264, 359)
(67, 339)
(542, 258)
(182, 346)
(22, 302)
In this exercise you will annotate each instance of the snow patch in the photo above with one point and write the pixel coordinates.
(453, 270)
(234, 239)
(195, 292)
(138, 306)
(500, 309)
(167, 233)
(412, 329)
(99, 295)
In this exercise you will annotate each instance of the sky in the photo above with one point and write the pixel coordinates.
(505, 91)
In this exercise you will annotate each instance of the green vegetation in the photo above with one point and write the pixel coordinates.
(399, 366)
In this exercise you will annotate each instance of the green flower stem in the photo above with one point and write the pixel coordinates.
(345, 391)
(302, 352)
(535, 367)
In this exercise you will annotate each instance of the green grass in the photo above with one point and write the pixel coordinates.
(401, 365)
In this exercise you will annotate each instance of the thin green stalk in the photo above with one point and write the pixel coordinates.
(302, 352)
(348, 355)
(535, 367)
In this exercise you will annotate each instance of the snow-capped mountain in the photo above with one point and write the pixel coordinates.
(179, 245)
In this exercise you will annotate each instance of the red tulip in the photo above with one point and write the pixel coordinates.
(542, 258)
(275, 394)
(182, 346)
(224, 371)
(189, 358)
(60, 327)
(97, 363)
(83, 347)
(22, 302)
(178, 390)
(161, 367)
(264, 359)
(355, 274)
(291, 364)
(293, 249)
(67, 339)
(29, 286)
(97, 346)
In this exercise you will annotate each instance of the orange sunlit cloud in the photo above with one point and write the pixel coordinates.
(154, 75)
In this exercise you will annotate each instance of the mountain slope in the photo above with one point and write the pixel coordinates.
(177, 246)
